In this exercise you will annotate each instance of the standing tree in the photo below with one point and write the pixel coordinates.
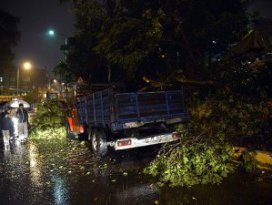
(152, 38)
(9, 37)
(81, 60)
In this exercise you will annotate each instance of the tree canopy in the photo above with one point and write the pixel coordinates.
(151, 38)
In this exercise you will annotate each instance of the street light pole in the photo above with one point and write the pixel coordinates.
(26, 66)
(52, 34)
(18, 74)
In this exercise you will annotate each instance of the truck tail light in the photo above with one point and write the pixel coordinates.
(81, 128)
(176, 135)
(122, 143)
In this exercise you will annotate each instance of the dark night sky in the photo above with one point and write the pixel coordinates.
(37, 16)
(264, 7)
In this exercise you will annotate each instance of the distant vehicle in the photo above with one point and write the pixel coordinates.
(127, 120)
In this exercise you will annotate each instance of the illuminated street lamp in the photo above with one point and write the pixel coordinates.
(26, 66)
(51, 32)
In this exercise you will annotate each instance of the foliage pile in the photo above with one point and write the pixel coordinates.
(204, 155)
(248, 164)
(231, 117)
(193, 163)
(49, 121)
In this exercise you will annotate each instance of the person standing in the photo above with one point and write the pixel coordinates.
(22, 116)
(7, 128)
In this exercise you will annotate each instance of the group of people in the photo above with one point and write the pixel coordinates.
(8, 126)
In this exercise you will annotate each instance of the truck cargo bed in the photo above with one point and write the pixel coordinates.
(118, 111)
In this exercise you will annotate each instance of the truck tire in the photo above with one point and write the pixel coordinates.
(68, 131)
(98, 142)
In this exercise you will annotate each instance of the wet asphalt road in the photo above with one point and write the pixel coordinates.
(68, 173)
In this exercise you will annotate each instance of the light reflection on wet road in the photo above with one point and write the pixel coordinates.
(69, 174)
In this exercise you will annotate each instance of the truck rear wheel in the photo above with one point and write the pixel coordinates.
(98, 142)
(68, 131)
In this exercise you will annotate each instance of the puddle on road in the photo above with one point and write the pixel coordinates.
(68, 173)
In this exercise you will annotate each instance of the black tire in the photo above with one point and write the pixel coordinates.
(70, 134)
(98, 142)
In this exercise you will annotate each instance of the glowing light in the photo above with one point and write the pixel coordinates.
(60, 190)
(51, 32)
(15, 124)
(35, 169)
(27, 65)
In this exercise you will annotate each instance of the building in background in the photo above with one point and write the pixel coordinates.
(35, 78)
